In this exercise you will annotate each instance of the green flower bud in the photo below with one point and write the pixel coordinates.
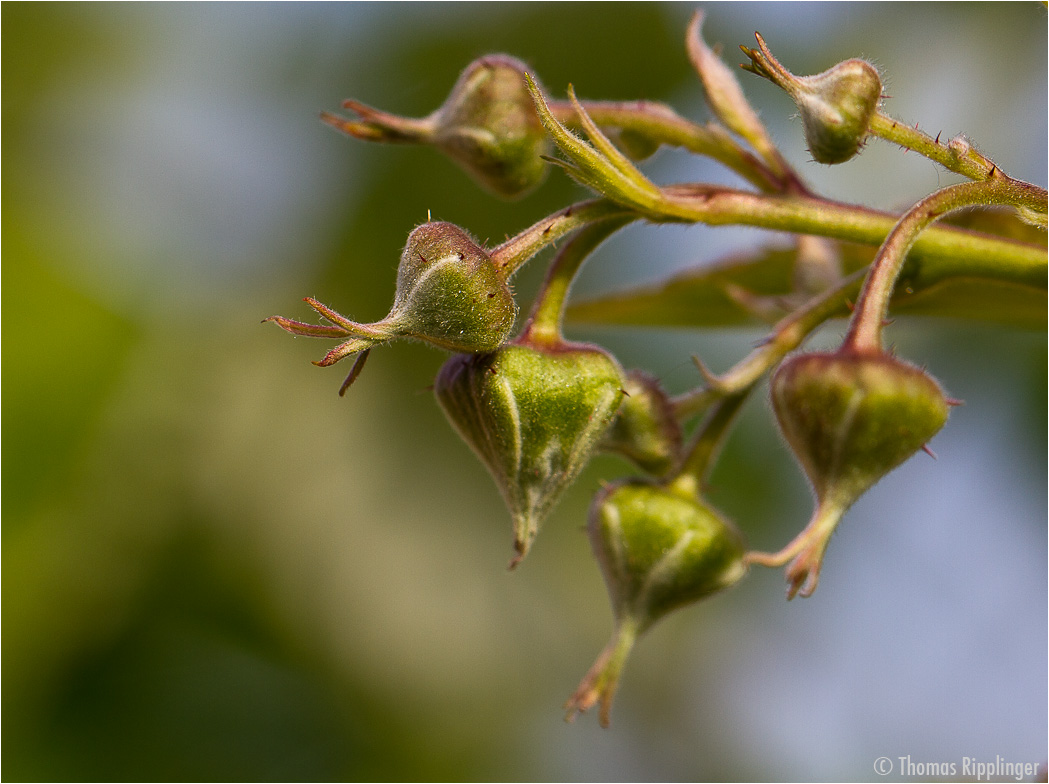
(645, 430)
(534, 415)
(488, 126)
(449, 294)
(658, 548)
(850, 418)
(836, 106)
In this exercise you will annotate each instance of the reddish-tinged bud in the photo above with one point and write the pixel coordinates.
(449, 294)
(836, 106)
(850, 418)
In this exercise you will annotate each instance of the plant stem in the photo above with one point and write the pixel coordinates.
(544, 324)
(512, 254)
(865, 330)
(957, 155)
(944, 251)
(707, 442)
(787, 335)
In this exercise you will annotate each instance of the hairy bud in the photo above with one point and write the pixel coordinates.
(836, 106)
(645, 430)
(488, 125)
(658, 549)
(534, 415)
(850, 418)
(449, 294)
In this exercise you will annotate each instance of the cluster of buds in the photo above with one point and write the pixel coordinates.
(536, 407)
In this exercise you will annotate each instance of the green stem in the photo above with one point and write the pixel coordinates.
(544, 324)
(706, 444)
(787, 335)
(865, 330)
(943, 251)
(940, 252)
(512, 254)
(957, 155)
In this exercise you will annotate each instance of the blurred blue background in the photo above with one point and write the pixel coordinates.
(215, 568)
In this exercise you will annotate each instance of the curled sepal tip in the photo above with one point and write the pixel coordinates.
(600, 683)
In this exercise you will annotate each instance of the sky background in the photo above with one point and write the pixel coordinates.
(215, 568)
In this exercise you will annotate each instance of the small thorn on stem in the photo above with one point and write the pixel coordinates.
(953, 402)
(929, 452)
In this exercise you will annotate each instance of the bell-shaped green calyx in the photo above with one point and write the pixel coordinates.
(534, 415)
(659, 547)
(645, 431)
(488, 125)
(850, 418)
(836, 106)
(449, 294)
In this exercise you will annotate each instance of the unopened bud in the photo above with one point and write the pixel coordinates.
(488, 125)
(850, 418)
(449, 294)
(645, 431)
(534, 415)
(658, 549)
(836, 106)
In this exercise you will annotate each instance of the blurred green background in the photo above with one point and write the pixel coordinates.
(215, 568)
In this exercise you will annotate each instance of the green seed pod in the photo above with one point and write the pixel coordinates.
(836, 106)
(449, 294)
(534, 415)
(658, 548)
(645, 431)
(488, 126)
(849, 418)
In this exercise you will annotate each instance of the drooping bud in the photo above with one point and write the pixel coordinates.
(534, 415)
(850, 418)
(645, 430)
(449, 294)
(659, 548)
(487, 125)
(836, 106)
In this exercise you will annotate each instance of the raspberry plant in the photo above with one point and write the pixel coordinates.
(535, 407)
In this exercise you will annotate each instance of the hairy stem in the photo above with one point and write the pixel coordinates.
(787, 335)
(957, 155)
(548, 311)
(865, 330)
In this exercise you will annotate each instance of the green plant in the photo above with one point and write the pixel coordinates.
(535, 407)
